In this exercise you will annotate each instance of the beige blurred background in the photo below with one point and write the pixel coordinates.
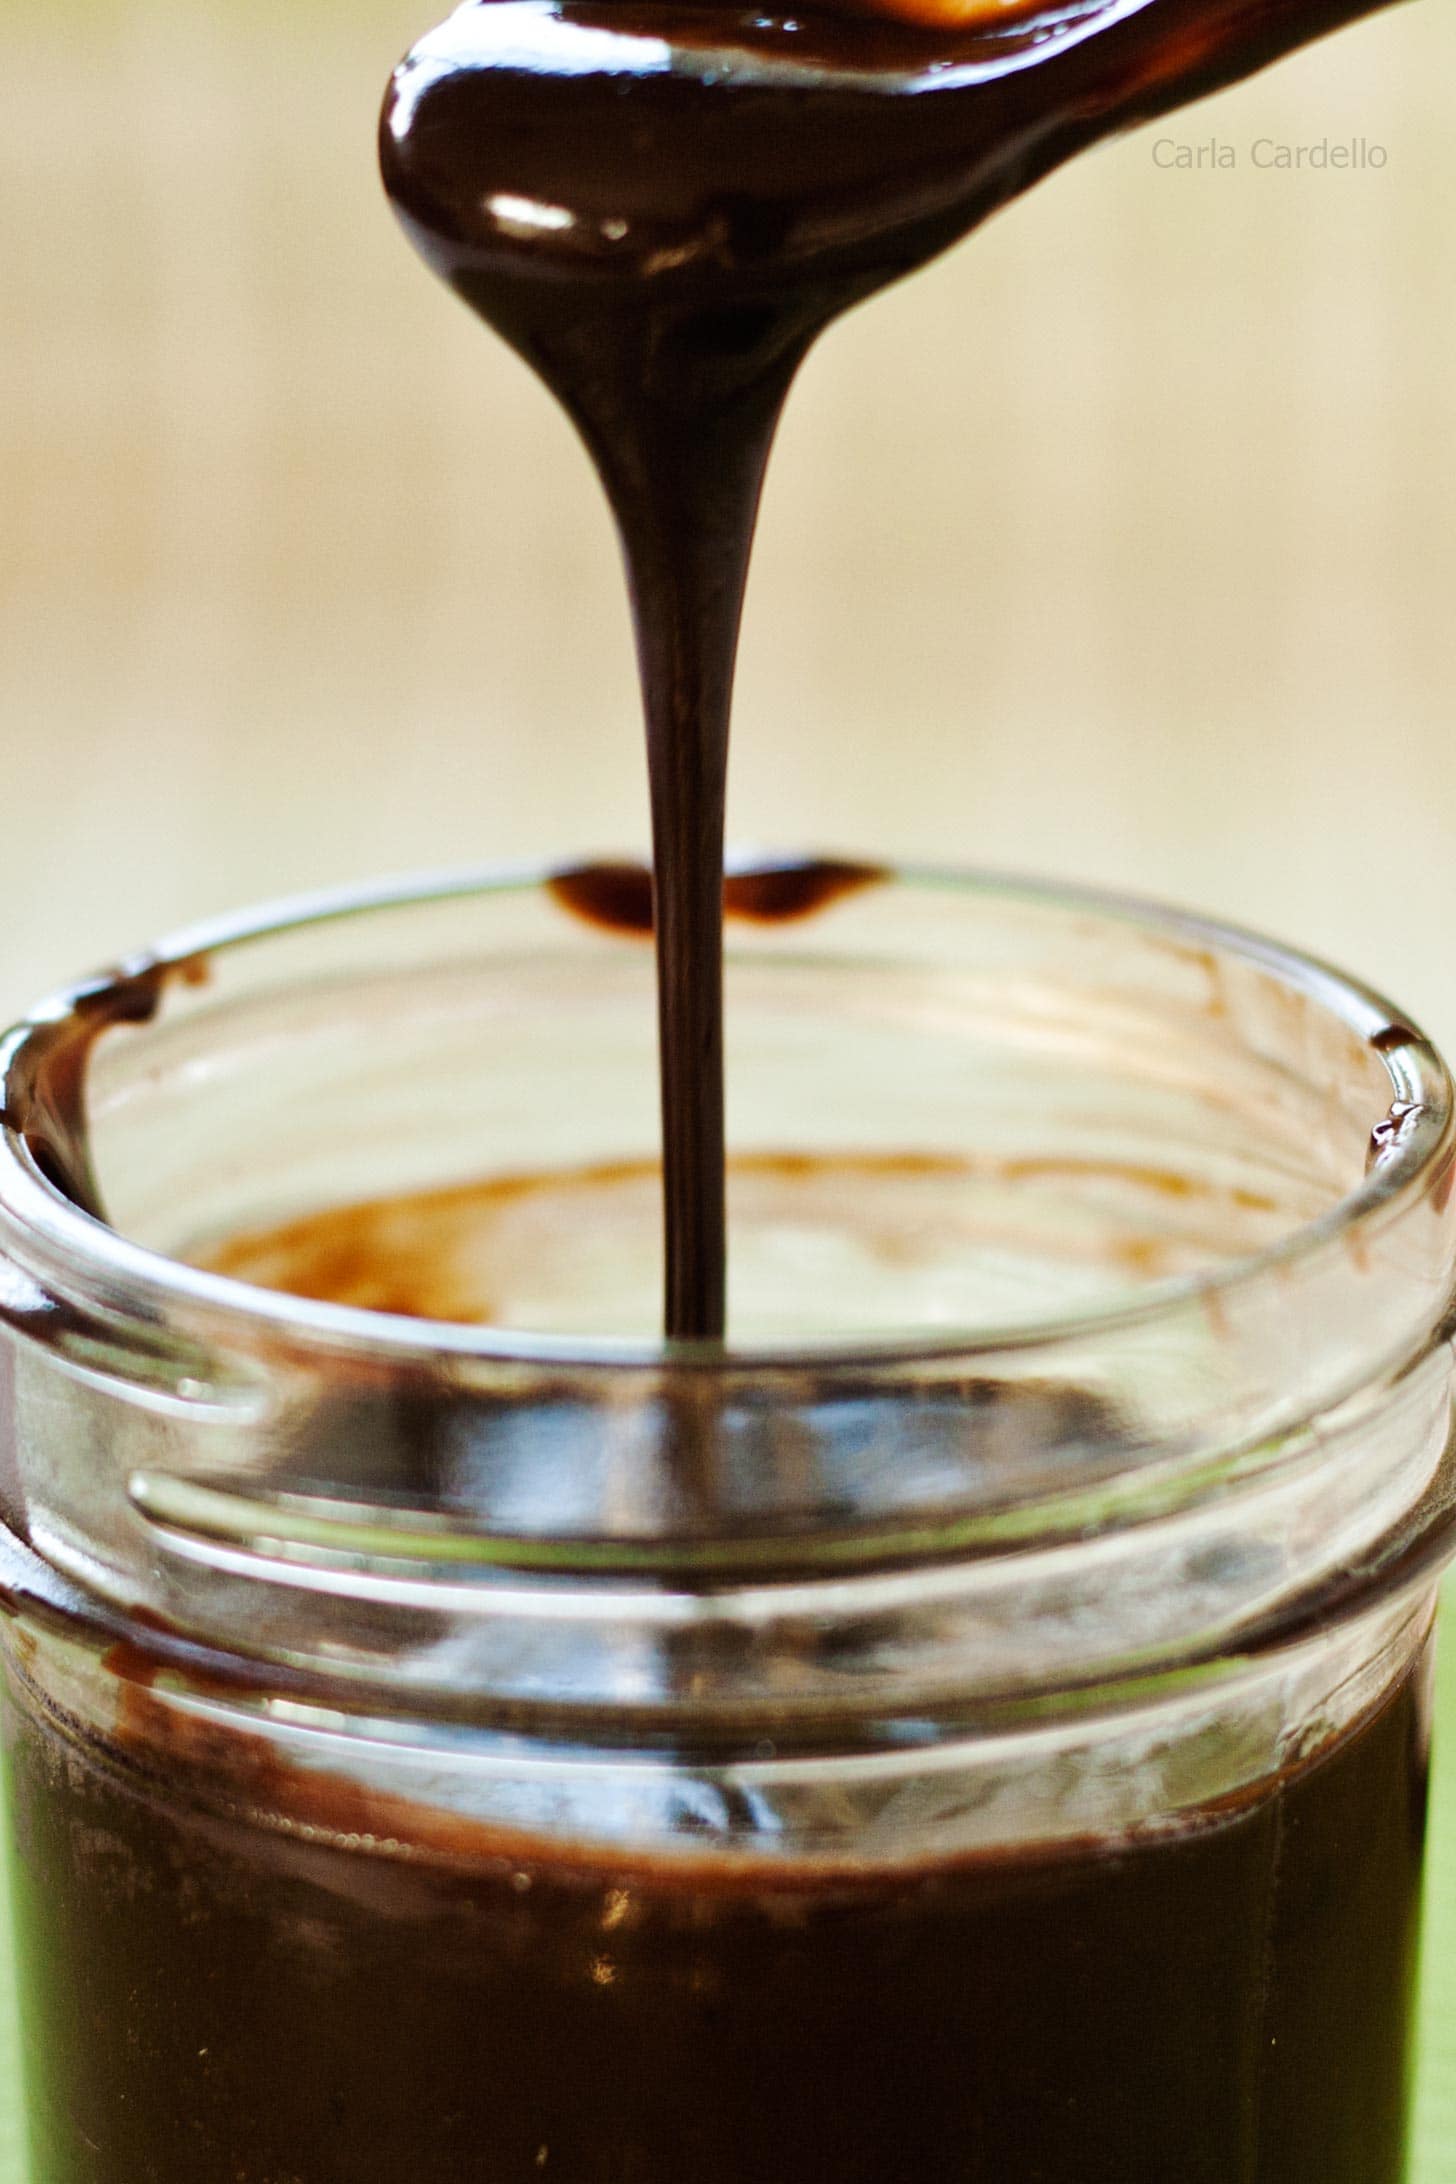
(1120, 544)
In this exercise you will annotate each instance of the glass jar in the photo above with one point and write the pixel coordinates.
(973, 1727)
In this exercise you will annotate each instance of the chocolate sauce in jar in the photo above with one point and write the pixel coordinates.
(240, 1972)
(661, 207)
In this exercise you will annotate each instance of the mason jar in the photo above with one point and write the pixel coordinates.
(971, 1728)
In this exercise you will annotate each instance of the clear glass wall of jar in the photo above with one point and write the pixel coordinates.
(973, 1728)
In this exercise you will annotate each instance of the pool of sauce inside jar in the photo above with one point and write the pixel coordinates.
(239, 1973)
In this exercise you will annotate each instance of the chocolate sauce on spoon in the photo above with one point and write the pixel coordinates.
(661, 207)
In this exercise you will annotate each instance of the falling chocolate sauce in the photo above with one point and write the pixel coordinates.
(661, 208)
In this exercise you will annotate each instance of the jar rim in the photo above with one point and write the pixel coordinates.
(54, 1238)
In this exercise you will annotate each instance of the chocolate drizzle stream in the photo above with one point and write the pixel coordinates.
(661, 208)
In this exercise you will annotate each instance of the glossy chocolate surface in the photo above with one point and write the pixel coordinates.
(662, 207)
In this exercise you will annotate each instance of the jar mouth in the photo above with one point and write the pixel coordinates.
(80, 1256)
(473, 1516)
